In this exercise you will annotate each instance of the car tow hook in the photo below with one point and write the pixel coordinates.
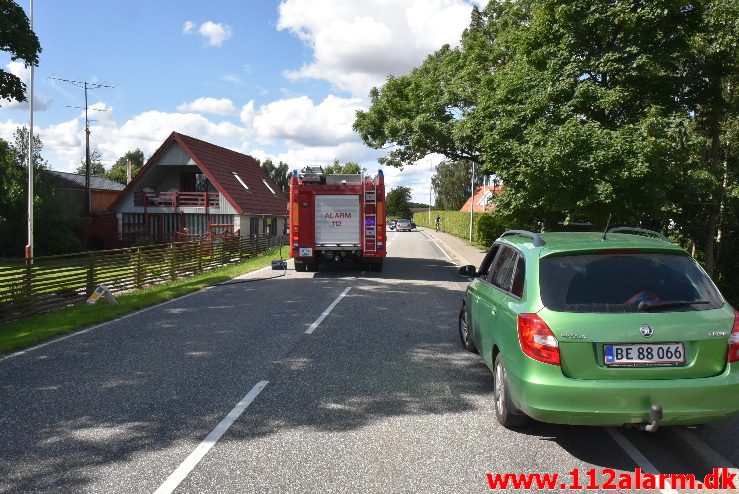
(656, 413)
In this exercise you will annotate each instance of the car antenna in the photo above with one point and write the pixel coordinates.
(608, 223)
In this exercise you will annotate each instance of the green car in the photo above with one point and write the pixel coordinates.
(601, 329)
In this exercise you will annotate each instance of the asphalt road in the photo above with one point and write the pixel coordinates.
(223, 391)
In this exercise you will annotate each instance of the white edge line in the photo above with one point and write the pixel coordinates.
(638, 457)
(194, 458)
(439, 246)
(130, 314)
(327, 311)
(96, 326)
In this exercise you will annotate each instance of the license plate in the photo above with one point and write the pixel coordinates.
(306, 252)
(644, 355)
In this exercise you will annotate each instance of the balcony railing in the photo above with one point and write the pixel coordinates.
(176, 199)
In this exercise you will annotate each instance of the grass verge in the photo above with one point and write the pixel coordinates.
(38, 328)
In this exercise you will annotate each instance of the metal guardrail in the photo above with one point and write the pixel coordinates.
(53, 282)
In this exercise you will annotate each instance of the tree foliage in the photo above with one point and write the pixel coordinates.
(97, 168)
(585, 110)
(118, 171)
(452, 184)
(397, 202)
(16, 38)
(348, 168)
(54, 219)
(279, 173)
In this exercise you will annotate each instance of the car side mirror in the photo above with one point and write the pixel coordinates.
(468, 271)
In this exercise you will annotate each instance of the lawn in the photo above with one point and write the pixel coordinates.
(35, 329)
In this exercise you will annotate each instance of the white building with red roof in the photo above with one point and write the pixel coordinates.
(193, 188)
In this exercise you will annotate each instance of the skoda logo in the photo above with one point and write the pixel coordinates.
(646, 331)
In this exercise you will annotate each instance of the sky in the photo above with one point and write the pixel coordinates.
(272, 79)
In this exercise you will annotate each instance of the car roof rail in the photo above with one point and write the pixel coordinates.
(538, 241)
(627, 229)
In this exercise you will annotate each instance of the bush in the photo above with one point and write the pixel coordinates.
(487, 226)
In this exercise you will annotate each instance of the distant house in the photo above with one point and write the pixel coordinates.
(483, 199)
(103, 192)
(191, 188)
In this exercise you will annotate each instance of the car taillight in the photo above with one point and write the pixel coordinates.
(537, 340)
(733, 355)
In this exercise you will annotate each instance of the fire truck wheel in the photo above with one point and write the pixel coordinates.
(376, 266)
(300, 266)
(312, 266)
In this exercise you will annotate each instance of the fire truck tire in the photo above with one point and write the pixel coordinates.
(300, 266)
(376, 266)
(312, 266)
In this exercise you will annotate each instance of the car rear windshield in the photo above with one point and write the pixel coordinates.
(625, 283)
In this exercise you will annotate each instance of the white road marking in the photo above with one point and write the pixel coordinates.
(439, 246)
(638, 457)
(186, 466)
(78, 333)
(327, 311)
(391, 240)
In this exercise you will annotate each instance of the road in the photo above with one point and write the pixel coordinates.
(224, 391)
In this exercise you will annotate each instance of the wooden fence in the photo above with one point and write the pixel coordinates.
(53, 282)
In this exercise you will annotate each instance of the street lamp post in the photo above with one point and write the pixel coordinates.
(29, 245)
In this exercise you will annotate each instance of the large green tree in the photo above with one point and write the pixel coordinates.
(118, 172)
(17, 39)
(398, 202)
(348, 168)
(452, 184)
(54, 218)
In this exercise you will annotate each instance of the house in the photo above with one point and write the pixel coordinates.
(103, 192)
(193, 189)
(483, 198)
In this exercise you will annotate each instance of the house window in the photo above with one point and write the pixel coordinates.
(241, 181)
(267, 185)
(254, 226)
(195, 182)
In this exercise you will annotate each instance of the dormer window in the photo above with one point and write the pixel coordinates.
(267, 185)
(240, 180)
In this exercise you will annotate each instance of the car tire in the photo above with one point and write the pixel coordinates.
(505, 411)
(300, 266)
(464, 331)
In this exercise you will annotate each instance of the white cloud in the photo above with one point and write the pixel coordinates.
(215, 106)
(301, 122)
(215, 33)
(41, 102)
(357, 44)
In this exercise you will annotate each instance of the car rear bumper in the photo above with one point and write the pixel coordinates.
(548, 396)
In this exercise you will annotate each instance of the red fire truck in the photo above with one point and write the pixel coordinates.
(336, 218)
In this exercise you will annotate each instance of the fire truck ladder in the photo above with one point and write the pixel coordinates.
(370, 218)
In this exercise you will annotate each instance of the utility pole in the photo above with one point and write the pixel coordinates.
(472, 200)
(29, 245)
(86, 85)
(431, 187)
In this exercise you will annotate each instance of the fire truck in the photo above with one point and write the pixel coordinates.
(336, 218)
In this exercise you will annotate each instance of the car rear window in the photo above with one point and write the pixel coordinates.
(625, 283)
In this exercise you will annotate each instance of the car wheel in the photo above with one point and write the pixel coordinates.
(505, 411)
(300, 266)
(464, 331)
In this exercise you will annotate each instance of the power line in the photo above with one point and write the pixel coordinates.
(86, 85)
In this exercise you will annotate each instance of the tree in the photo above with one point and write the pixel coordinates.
(348, 168)
(452, 184)
(16, 38)
(280, 174)
(54, 218)
(398, 201)
(97, 168)
(118, 171)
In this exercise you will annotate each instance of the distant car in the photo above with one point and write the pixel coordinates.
(391, 224)
(404, 225)
(606, 330)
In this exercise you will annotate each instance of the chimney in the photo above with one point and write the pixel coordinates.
(128, 171)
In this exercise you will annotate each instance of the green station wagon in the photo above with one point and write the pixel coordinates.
(601, 329)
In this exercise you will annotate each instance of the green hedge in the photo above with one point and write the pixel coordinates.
(486, 228)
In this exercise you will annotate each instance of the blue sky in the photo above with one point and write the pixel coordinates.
(278, 79)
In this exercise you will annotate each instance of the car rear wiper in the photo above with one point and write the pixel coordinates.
(647, 306)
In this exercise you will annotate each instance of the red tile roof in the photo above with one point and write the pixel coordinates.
(219, 165)
(479, 194)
